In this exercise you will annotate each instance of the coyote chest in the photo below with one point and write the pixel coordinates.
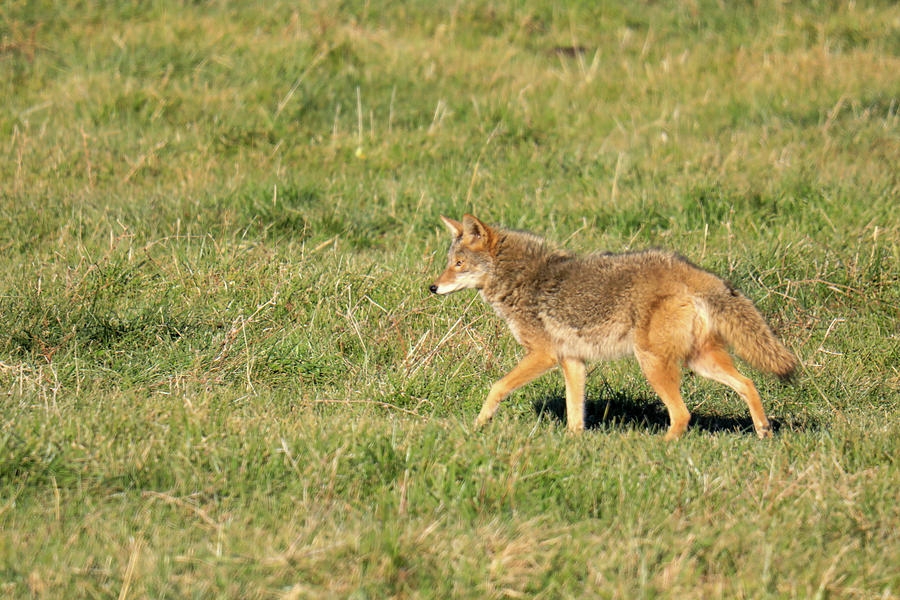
(516, 327)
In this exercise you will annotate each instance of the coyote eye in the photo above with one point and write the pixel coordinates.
(459, 263)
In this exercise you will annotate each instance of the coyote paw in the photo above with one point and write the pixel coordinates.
(674, 433)
(482, 420)
(575, 429)
(764, 432)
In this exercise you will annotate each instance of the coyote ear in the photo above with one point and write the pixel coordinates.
(476, 234)
(455, 227)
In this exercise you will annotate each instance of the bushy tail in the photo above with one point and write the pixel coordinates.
(737, 320)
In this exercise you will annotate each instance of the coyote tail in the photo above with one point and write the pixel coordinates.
(737, 320)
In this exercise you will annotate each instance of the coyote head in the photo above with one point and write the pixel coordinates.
(469, 258)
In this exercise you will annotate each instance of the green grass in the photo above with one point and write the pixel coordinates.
(222, 373)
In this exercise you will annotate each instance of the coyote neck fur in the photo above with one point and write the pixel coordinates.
(519, 265)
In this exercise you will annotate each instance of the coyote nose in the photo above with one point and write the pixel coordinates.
(433, 288)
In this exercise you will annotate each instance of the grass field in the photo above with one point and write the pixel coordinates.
(222, 375)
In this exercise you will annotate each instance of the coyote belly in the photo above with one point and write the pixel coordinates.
(567, 309)
(605, 342)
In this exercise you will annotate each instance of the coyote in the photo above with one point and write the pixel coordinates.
(567, 309)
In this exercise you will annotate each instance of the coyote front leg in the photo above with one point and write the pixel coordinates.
(529, 368)
(574, 372)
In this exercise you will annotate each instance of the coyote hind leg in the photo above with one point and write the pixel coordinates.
(716, 364)
(664, 376)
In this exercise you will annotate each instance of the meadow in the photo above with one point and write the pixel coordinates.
(222, 374)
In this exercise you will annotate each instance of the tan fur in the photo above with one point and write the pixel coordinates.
(654, 305)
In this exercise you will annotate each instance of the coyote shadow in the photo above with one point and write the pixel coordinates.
(620, 410)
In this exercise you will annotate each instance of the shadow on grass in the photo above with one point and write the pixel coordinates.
(619, 410)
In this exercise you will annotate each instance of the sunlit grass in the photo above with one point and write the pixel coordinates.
(224, 376)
